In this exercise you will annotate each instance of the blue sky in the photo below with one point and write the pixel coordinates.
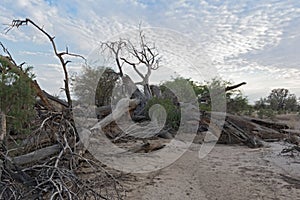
(257, 41)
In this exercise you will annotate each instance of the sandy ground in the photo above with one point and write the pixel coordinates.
(228, 172)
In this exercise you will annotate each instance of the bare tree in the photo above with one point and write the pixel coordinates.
(59, 55)
(142, 57)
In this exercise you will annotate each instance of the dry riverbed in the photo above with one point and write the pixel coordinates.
(227, 172)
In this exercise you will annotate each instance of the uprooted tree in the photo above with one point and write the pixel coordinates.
(141, 56)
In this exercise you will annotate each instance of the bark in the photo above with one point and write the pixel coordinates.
(2, 137)
(3, 127)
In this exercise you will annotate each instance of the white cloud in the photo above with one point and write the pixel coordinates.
(233, 35)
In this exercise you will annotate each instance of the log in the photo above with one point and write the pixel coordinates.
(273, 125)
(291, 131)
(103, 111)
(147, 147)
(37, 155)
(237, 128)
(123, 106)
(228, 88)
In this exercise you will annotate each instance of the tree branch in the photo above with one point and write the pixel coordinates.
(59, 55)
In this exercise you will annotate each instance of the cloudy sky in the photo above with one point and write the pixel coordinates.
(256, 41)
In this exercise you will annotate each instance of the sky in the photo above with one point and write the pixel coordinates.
(256, 41)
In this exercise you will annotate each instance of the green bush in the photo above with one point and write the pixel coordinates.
(268, 113)
(172, 111)
(17, 98)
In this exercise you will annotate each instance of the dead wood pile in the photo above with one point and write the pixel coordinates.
(236, 129)
(50, 162)
(247, 130)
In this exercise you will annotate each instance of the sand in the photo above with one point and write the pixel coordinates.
(227, 172)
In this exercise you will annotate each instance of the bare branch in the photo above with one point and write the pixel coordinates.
(5, 50)
(115, 49)
(59, 55)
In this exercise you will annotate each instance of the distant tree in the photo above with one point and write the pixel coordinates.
(280, 99)
(261, 104)
(277, 98)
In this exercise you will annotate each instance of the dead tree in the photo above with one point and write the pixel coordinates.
(59, 55)
(48, 163)
(141, 57)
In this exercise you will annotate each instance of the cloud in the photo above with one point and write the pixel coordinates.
(249, 40)
(36, 53)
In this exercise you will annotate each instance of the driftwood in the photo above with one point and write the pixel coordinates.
(52, 172)
(294, 148)
(291, 180)
(228, 88)
(232, 130)
(103, 111)
(123, 106)
(37, 155)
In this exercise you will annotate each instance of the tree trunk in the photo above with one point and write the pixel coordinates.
(2, 137)
(3, 127)
(147, 91)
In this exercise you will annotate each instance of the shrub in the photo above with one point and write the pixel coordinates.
(269, 113)
(172, 111)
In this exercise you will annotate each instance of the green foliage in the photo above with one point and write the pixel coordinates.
(101, 79)
(105, 87)
(279, 100)
(266, 113)
(185, 90)
(172, 111)
(261, 104)
(17, 98)
(236, 102)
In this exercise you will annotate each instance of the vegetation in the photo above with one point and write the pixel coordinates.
(172, 111)
(101, 79)
(17, 98)
(235, 100)
(279, 101)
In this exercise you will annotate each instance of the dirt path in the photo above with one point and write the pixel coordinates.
(228, 172)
